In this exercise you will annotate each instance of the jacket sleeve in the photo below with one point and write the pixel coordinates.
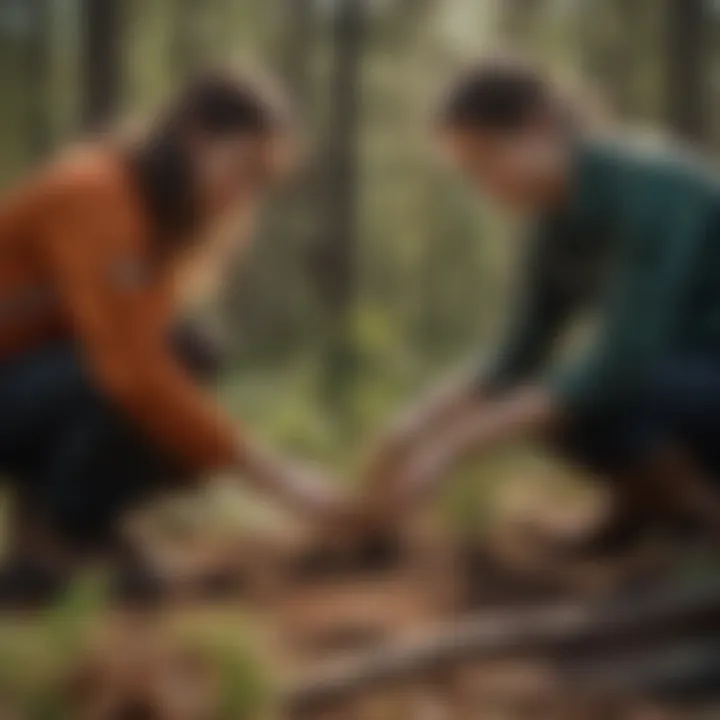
(540, 312)
(642, 313)
(120, 319)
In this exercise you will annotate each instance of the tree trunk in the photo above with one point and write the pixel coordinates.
(518, 19)
(38, 57)
(188, 40)
(612, 47)
(296, 48)
(101, 61)
(687, 80)
(335, 261)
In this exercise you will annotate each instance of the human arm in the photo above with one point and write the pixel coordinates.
(118, 311)
(655, 274)
(539, 313)
(519, 413)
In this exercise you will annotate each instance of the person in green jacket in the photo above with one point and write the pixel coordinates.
(629, 232)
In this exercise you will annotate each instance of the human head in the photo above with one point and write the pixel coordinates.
(224, 139)
(504, 125)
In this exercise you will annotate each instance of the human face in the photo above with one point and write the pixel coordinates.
(524, 169)
(238, 170)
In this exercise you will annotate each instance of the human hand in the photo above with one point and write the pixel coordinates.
(418, 425)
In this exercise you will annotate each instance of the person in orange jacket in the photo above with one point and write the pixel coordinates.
(99, 400)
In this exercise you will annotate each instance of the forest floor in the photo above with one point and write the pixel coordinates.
(312, 608)
(243, 621)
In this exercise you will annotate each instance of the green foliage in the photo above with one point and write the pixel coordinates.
(245, 687)
(69, 621)
(228, 642)
(37, 652)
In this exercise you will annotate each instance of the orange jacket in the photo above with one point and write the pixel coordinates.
(77, 263)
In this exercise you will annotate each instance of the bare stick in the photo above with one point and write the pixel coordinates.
(650, 617)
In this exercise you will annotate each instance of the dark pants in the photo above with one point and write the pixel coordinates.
(679, 404)
(69, 452)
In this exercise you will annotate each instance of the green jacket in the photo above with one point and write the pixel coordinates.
(640, 240)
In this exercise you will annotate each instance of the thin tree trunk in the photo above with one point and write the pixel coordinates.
(611, 50)
(101, 61)
(687, 78)
(38, 57)
(582, 628)
(518, 19)
(188, 23)
(296, 48)
(335, 262)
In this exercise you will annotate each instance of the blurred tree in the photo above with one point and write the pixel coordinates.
(687, 87)
(102, 60)
(518, 20)
(613, 41)
(296, 56)
(25, 74)
(39, 120)
(297, 46)
(266, 325)
(335, 258)
(189, 39)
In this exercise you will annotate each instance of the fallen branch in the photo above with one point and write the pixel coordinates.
(577, 626)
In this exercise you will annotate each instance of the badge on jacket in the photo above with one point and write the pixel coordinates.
(131, 274)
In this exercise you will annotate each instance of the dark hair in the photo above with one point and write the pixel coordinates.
(500, 94)
(221, 103)
(214, 104)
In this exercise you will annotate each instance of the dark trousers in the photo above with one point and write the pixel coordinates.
(69, 452)
(679, 404)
